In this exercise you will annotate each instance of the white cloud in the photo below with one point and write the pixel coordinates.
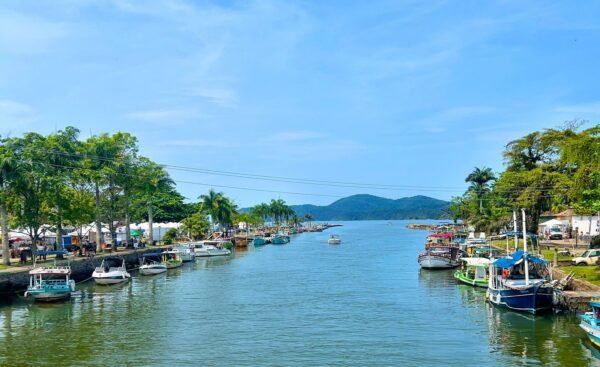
(162, 116)
(13, 114)
(26, 34)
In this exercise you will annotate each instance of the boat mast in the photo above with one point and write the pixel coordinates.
(526, 263)
(515, 231)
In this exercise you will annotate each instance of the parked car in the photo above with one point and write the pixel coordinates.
(589, 257)
(555, 234)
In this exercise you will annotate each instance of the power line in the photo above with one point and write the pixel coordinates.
(191, 182)
(296, 180)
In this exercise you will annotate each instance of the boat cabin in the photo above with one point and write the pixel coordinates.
(510, 271)
(151, 258)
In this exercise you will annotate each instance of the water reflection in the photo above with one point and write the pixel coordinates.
(553, 340)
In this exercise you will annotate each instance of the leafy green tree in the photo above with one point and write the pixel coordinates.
(196, 225)
(60, 152)
(8, 172)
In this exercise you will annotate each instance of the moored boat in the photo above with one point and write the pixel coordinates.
(172, 259)
(440, 257)
(334, 239)
(186, 251)
(590, 322)
(521, 282)
(240, 242)
(259, 241)
(112, 270)
(209, 248)
(280, 239)
(473, 271)
(50, 284)
(152, 264)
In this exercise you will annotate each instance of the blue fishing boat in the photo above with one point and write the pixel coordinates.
(259, 241)
(280, 239)
(50, 284)
(590, 322)
(521, 282)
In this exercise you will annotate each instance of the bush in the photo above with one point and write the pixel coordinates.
(170, 236)
(595, 243)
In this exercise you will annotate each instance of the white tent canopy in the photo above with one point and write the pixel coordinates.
(553, 223)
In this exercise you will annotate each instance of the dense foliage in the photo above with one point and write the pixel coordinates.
(548, 170)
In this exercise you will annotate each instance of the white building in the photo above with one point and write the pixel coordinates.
(589, 225)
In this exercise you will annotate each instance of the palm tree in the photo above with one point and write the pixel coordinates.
(210, 204)
(261, 211)
(308, 218)
(479, 180)
(220, 208)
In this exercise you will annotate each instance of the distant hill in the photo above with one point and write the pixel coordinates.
(369, 207)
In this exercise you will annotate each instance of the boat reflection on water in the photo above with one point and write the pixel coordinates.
(550, 340)
(215, 261)
(436, 279)
(471, 296)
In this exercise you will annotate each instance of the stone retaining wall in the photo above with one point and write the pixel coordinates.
(82, 269)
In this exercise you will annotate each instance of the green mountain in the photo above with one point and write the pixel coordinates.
(369, 207)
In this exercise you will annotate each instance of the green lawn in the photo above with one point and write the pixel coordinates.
(587, 273)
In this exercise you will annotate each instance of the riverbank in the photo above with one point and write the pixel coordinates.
(15, 278)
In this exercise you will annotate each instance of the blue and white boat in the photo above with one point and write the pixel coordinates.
(521, 282)
(590, 322)
(50, 284)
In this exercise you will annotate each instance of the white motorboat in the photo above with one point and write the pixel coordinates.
(209, 248)
(152, 264)
(112, 270)
(334, 239)
(186, 251)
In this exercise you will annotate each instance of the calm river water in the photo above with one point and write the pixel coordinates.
(363, 303)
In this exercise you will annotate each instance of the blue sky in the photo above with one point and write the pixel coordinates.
(409, 93)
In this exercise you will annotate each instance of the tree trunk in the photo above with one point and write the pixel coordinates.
(127, 224)
(4, 227)
(150, 224)
(98, 224)
(59, 243)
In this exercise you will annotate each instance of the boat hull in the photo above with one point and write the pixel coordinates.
(461, 277)
(110, 279)
(534, 299)
(592, 333)
(334, 242)
(437, 262)
(152, 270)
(259, 242)
(41, 295)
